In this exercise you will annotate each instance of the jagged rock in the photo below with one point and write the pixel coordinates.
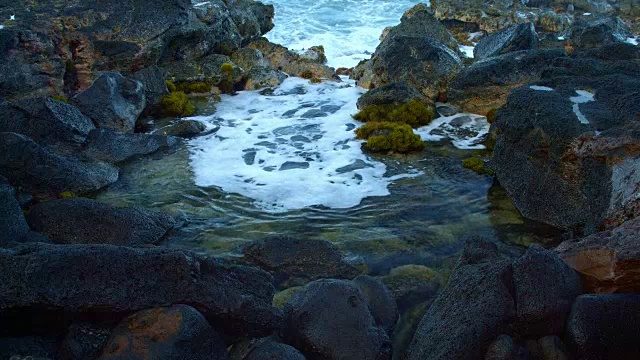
(566, 153)
(552, 348)
(85, 221)
(292, 63)
(396, 93)
(45, 120)
(412, 284)
(420, 21)
(153, 83)
(112, 101)
(13, 226)
(261, 77)
(108, 281)
(503, 348)
(514, 38)
(605, 327)
(176, 332)
(595, 31)
(485, 85)
(608, 261)
(85, 340)
(297, 261)
(319, 317)
(116, 147)
(41, 171)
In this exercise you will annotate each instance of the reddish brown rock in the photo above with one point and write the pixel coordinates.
(608, 261)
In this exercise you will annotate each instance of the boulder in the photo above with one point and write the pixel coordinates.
(514, 38)
(329, 319)
(485, 85)
(112, 101)
(271, 350)
(476, 306)
(595, 31)
(45, 120)
(396, 93)
(29, 64)
(183, 128)
(116, 147)
(567, 149)
(412, 284)
(379, 301)
(544, 289)
(107, 281)
(85, 340)
(261, 77)
(552, 348)
(420, 21)
(176, 332)
(417, 60)
(503, 348)
(13, 226)
(248, 58)
(607, 261)
(292, 63)
(153, 83)
(605, 327)
(85, 221)
(39, 170)
(298, 261)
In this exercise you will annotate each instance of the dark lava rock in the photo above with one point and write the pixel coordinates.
(612, 52)
(608, 261)
(420, 21)
(379, 301)
(107, 281)
(595, 31)
(45, 120)
(567, 152)
(329, 319)
(514, 38)
(153, 83)
(183, 128)
(271, 350)
(176, 332)
(552, 348)
(605, 327)
(396, 93)
(112, 101)
(85, 340)
(295, 262)
(29, 347)
(13, 226)
(545, 288)
(417, 60)
(40, 170)
(469, 314)
(412, 284)
(85, 221)
(485, 85)
(29, 64)
(116, 147)
(503, 348)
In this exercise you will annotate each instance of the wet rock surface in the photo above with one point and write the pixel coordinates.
(116, 147)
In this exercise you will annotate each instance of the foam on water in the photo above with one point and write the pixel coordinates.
(583, 97)
(466, 131)
(349, 30)
(290, 150)
(540, 88)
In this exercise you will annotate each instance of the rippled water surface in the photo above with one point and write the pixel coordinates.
(286, 163)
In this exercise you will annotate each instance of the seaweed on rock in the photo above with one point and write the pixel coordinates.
(389, 137)
(414, 113)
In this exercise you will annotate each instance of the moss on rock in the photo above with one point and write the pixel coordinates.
(176, 104)
(281, 298)
(477, 165)
(491, 116)
(194, 87)
(414, 113)
(307, 74)
(389, 136)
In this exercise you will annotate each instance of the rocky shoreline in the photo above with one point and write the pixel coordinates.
(81, 82)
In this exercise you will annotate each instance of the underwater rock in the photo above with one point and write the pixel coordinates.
(380, 302)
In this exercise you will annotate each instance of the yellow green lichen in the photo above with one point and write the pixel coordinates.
(176, 104)
(414, 113)
(388, 136)
(60, 98)
(66, 195)
(194, 87)
(281, 298)
(476, 165)
(307, 74)
(491, 116)
(315, 80)
(170, 85)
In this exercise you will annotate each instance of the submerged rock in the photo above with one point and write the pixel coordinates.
(176, 332)
(605, 327)
(380, 302)
(41, 171)
(608, 261)
(296, 261)
(112, 101)
(330, 319)
(116, 147)
(85, 221)
(514, 38)
(107, 281)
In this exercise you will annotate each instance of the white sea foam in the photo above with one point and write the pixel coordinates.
(349, 30)
(466, 131)
(292, 150)
(540, 88)
(583, 97)
(467, 51)
(633, 40)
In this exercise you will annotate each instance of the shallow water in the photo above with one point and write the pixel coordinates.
(286, 163)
